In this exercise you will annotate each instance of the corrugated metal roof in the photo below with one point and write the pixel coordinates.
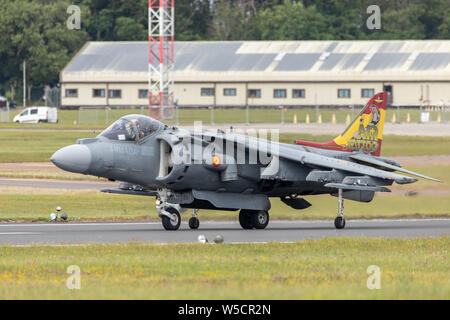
(383, 61)
(431, 61)
(297, 61)
(319, 58)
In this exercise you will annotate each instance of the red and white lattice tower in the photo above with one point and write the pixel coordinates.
(161, 29)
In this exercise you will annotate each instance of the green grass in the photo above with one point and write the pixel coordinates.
(26, 146)
(330, 268)
(85, 206)
(98, 119)
(35, 146)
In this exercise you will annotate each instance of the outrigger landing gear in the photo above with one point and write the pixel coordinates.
(339, 222)
(194, 222)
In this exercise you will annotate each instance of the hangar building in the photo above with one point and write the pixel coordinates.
(264, 73)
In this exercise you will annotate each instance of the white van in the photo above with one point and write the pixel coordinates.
(37, 114)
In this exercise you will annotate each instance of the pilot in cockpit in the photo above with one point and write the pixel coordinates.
(131, 128)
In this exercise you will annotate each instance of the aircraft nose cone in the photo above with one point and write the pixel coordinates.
(75, 158)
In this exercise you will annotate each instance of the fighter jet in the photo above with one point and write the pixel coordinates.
(205, 169)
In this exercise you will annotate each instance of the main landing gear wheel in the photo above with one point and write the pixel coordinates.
(171, 223)
(250, 219)
(260, 219)
(339, 222)
(194, 223)
(245, 219)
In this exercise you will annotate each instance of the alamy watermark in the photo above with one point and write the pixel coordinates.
(374, 279)
(228, 148)
(374, 20)
(74, 20)
(74, 280)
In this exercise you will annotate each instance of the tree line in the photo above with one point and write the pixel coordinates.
(35, 31)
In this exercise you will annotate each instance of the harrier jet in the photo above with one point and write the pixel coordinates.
(220, 170)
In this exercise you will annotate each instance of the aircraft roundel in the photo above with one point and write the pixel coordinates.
(215, 160)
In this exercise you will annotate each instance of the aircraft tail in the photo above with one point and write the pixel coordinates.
(365, 132)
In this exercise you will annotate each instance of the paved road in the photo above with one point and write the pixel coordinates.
(56, 184)
(76, 233)
(403, 129)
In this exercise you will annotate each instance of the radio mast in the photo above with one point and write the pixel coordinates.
(161, 30)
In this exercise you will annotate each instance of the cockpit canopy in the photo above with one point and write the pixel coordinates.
(132, 127)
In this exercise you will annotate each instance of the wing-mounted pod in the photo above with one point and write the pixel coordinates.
(357, 188)
(325, 176)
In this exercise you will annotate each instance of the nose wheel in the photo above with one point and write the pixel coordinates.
(339, 222)
(194, 222)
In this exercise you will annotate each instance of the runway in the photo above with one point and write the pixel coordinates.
(56, 184)
(79, 233)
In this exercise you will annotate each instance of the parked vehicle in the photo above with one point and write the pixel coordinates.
(3, 102)
(37, 114)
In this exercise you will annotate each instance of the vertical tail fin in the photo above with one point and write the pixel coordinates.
(365, 132)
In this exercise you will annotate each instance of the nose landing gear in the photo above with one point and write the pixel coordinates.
(194, 222)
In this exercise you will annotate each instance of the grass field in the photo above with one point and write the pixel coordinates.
(88, 206)
(98, 119)
(312, 269)
(26, 146)
(35, 146)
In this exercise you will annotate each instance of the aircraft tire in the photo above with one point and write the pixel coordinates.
(168, 224)
(245, 219)
(339, 222)
(260, 219)
(194, 223)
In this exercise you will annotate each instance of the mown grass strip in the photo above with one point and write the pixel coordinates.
(333, 268)
(26, 146)
(86, 206)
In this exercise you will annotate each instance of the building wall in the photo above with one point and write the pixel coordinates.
(190, 94)
(324, 93)
(433, 93)
(129, 94)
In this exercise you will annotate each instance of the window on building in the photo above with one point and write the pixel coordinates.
(254, 93)
(229, 92)
(343, 93)
(98, 93)
(71, 93)
(115, 93)
(367, 93)
(205, 92)
(298, 93)
(279, 93)
(143, 93)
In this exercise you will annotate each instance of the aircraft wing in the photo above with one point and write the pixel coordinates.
(304, 156)
(379, 163)
(315, 159)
